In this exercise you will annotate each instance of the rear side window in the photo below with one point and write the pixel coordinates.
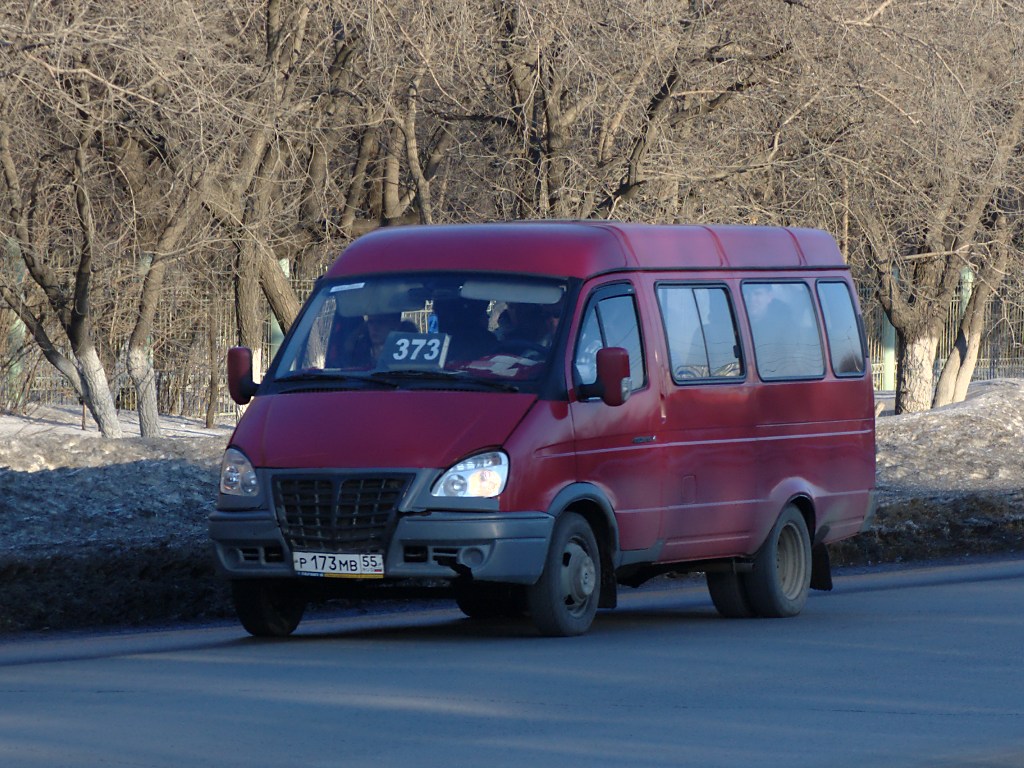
(701, 332)
(610, 322)
(845, 343)
(787, 344)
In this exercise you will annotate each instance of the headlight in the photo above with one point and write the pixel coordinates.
(482, 476)
(237, 477)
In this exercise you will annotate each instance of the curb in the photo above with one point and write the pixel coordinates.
(115, 587)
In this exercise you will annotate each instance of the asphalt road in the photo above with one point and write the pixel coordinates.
(900, 669)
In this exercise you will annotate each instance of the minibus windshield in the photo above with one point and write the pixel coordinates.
(427, 329)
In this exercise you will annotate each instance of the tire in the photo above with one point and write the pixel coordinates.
(564, 600)
(484, 601)
(268, 607)
(777, 586)
(729, 594)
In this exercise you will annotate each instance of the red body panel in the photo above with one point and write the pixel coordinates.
(616, 452)
(584, 249)
(552, 248)
(541, 450)
(376, 429)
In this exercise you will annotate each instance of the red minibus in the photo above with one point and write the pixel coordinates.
(534, 414)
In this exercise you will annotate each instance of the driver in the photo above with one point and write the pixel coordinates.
(379, 326)
(366, 342)
(532, 324)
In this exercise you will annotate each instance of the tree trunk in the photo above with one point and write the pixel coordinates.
(958, 369)
(915, 371)
(144, 378)
(392, 199)
(248, 311)
(970, 361)
(212, 365)
(63, 365)
(413, 156)
(140, 366)
(96, 392)
(357, 180)
(78, 321)
(283, 302)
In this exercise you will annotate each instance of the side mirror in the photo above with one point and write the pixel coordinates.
(240, 383)
(613, 375)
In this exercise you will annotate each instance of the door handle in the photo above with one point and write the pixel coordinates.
(642, 440)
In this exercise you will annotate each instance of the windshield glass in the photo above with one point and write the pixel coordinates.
(443, 326)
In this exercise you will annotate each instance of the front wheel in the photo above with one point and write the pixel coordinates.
(484, 600)
(778, 584)
(268, 607)
(564, 600)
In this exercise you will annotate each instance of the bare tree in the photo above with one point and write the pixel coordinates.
(231, 148)
(53, 211)
(958, 370)
(924, 228)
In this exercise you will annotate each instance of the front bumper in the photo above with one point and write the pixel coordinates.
(486, 546)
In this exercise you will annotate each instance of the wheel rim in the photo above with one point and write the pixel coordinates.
(578, 577)
(791, 562)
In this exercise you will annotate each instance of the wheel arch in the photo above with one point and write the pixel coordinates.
(821, 566)
(793, 490)
(805, 505)
(588, 501)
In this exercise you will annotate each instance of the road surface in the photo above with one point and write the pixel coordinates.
(915, 668)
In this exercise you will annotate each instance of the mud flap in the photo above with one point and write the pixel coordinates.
(821, 568)
(609, 585)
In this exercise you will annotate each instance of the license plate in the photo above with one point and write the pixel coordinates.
(337, 566)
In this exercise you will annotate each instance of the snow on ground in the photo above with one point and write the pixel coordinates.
(63, 487)
(974, 445)
(68, 421)
(100, 532)
(97, 532)
(950, 480)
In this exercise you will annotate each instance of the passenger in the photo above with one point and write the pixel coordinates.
(503, 325)
(764, 304)
(531, 324)
(465, 322)
(779, 332)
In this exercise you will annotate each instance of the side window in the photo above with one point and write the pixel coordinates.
(784, 327)
(701, 332)
(586, 349)
(610, 322)
(845, 344)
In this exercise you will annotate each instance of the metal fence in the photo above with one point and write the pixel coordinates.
(1002, 346)
(182, 361)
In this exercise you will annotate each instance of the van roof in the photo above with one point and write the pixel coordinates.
(585, 248)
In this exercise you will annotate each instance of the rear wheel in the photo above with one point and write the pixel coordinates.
(778, 584)
(268, 607)
(729, 594)
(564, 600)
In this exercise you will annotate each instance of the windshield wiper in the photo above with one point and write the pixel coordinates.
(447, 377)
(327, 376)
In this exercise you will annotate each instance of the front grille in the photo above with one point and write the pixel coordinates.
(330, 513)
